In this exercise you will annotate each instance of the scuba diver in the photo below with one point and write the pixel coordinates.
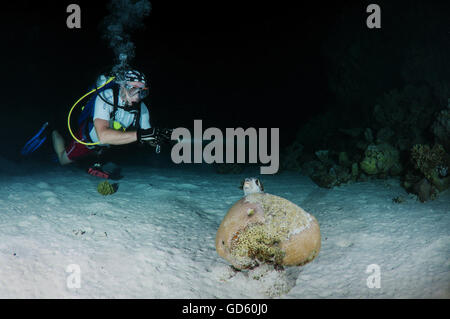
(114, 115)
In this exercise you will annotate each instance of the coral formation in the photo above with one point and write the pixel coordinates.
(432, 163)
(328, 168)
(278, 232)
(333, 167)
(106, 188)
(256, 243)
(410, 106)
(369, 165)
(381, 159)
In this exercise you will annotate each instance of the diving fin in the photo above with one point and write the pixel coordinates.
(36, 141)
(97, 171)
(108, 171)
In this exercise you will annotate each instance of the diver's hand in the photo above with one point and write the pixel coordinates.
(153, 136)
(147, 135)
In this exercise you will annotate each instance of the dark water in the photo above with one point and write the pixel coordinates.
(230, 65)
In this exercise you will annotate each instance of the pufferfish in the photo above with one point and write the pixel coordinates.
(252, 185)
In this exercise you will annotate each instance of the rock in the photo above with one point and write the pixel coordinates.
(325, 179)
(264, 228)
(424, 190)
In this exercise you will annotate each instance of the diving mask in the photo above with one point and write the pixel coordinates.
(135, 90)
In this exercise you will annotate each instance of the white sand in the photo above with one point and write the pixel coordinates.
(155, 237)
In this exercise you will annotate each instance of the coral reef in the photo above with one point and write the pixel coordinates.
(428, 172)
(404, 102)
(327, 168)
(105, 188)
(364, 153)
(361, 152)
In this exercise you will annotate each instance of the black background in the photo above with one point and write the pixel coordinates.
(228, 63)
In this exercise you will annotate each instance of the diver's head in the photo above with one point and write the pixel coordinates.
(133, 86)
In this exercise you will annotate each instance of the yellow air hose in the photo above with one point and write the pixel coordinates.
(70, 112)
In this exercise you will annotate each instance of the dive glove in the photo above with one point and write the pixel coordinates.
(153, 136)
